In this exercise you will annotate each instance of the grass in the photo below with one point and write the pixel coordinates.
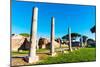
(26, 52)
(42, 50)
(16, 53)
(82, 55)
(23, 52)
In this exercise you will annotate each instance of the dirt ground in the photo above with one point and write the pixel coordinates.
(16, 61)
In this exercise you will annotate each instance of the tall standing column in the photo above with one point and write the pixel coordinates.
(37, 46)
(70, 43)
(52, 37)
(32, 55)
(86, 43)
(81, 41)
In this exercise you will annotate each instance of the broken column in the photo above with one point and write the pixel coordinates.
(32, 55)
(52, 37)
(70, 43)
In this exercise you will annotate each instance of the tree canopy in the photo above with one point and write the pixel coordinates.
(90, 39)
(93, 29)
(73, 35)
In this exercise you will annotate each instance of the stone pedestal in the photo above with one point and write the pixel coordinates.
(33, 59)
(53, 54)
(66, 52)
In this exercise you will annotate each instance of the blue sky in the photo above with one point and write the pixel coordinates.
(80, 18)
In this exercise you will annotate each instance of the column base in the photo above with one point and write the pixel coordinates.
(70, 50)
(53, 54)
(75, 49)
(66, 52)
(33, 59)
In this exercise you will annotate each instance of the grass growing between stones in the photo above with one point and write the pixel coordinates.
(81, 55)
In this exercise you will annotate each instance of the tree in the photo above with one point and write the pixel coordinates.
(25, 34)
(73, 36)
(91, 42)
(93, 29)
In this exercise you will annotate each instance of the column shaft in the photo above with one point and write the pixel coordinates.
(32, 55)
(52, 34)
(70, 43)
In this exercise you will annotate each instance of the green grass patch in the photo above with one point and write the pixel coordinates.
(22, 53)
(81, 55)
(26, 52)
(42, 50)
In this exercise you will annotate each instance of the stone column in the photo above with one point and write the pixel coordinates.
(32, 55)
(52, 37)
(37, 46)
(81, 42)
(70, 43)
(86, 43)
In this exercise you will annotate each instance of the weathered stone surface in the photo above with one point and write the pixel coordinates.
(19, 42)
(32, 55)
(52, 51)
(43, 42)
(70, 42)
